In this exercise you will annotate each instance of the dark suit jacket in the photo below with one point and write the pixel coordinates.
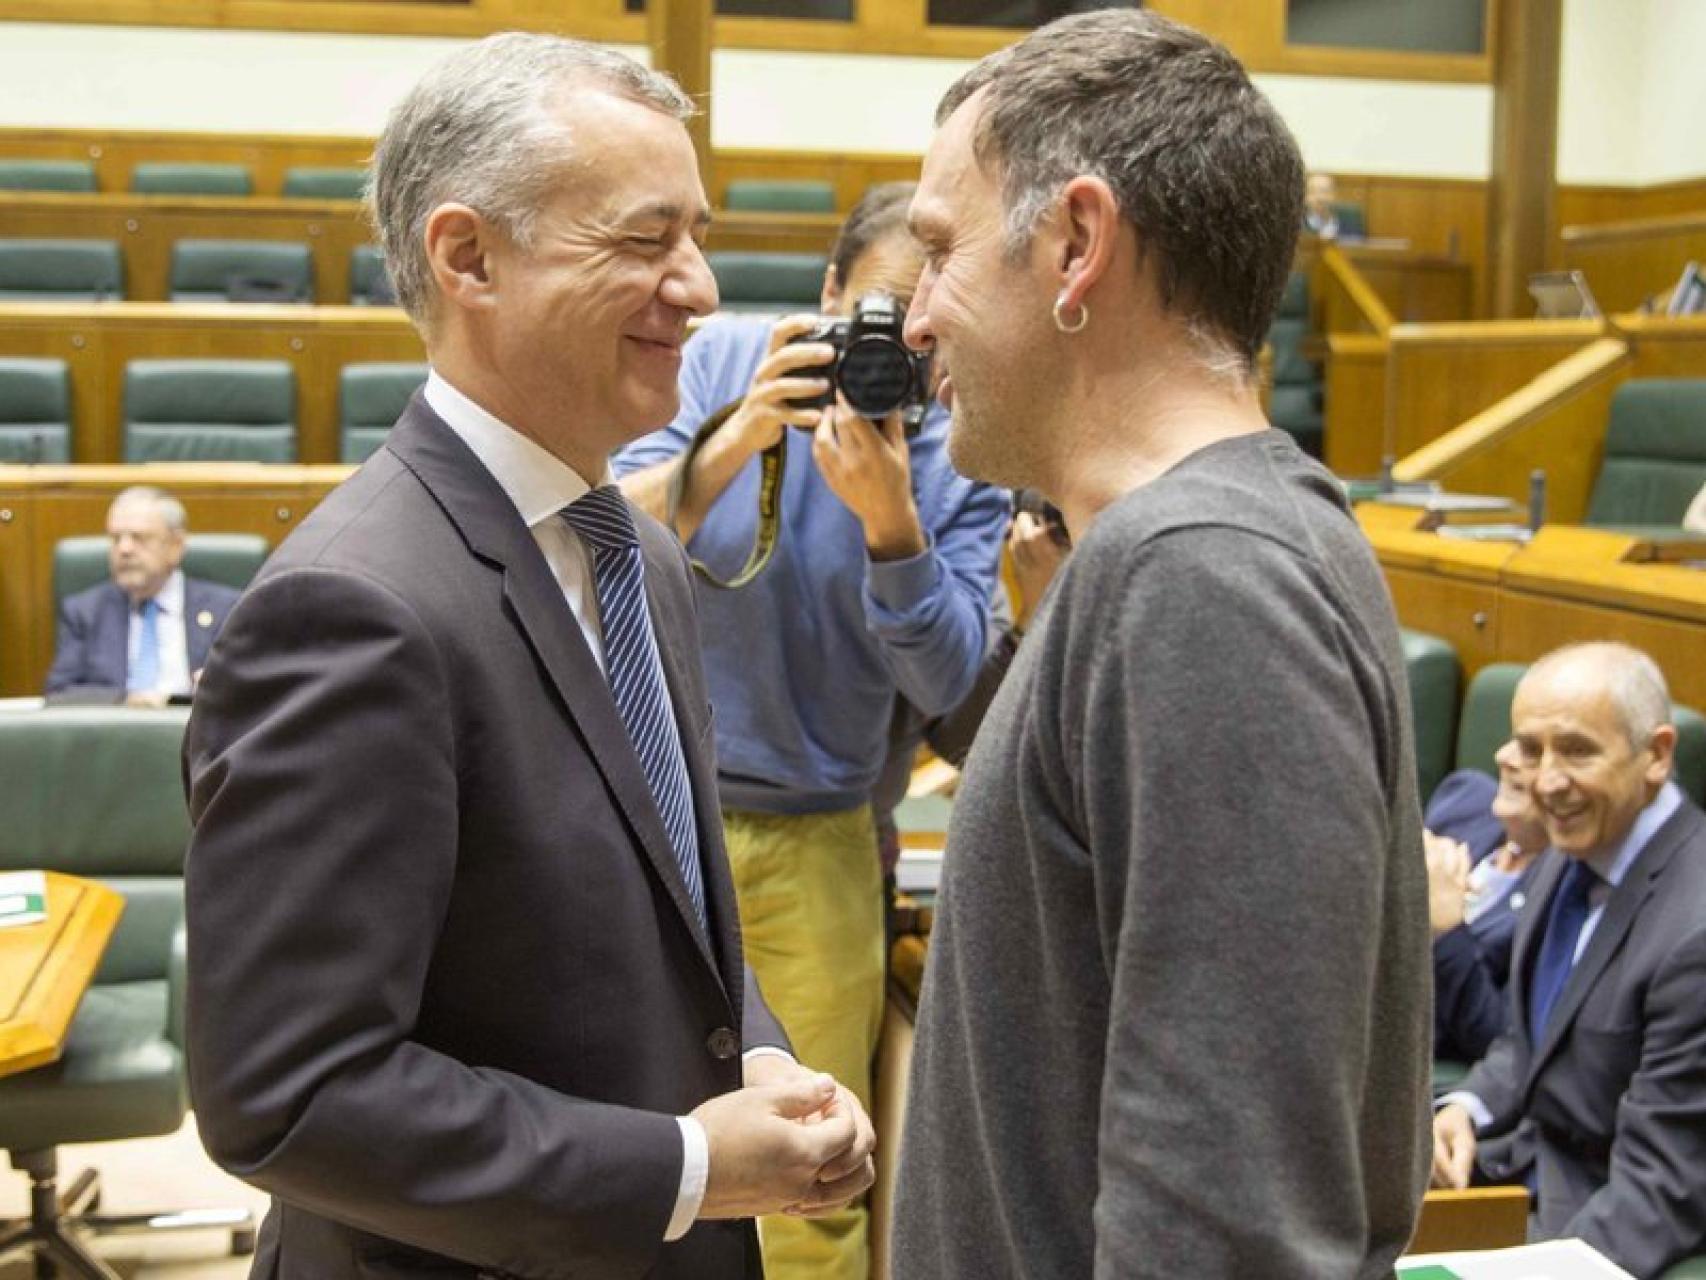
(1472, 961)
(92, 655)
(1610, 1107)
(447, 990)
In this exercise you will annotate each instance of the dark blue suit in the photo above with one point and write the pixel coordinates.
(93, 651)
(1472, 962)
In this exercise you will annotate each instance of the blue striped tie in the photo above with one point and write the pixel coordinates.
(145, 671)
(636, 675)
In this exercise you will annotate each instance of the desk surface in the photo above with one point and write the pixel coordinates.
(46, 967)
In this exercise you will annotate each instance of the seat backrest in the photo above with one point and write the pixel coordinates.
(225, 270)
(756, 281)
(209, 411)
(1434, 673)
(46, 175)
(1655, 453)
(1294, 302)
(191, 180)
(35, 410)
(1351, 224)
(1486, 726)
(1291, 368)
(371, 397)
(325, 184)
(369, 281)
(231, 559)
(775, 195)
(60, 270)
(98, 791)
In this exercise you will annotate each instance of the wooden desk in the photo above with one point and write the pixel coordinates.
(773, 232)
(1476, 1218)
(46, 967)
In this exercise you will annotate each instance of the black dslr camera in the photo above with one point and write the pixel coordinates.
(873, 368)
(1032, 502)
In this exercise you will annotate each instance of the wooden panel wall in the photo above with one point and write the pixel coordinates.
(1626, 263)
(97, 341)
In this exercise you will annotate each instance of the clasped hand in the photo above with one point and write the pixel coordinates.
(791, 1141)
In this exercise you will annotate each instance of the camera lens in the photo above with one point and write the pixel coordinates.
(876, 376)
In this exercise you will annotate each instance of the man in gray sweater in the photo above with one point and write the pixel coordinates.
(1176, 1015)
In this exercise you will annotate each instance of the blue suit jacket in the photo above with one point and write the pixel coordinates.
(93, 651)
(1472, 962)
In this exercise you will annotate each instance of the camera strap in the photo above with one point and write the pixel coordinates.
(772, 466)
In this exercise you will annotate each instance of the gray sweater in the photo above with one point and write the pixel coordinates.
(1176, 1016)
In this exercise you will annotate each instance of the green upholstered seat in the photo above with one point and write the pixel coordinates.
(191, 180)
(773, 282)
(1351, 223)
(1434, 674)
(241, 271)
(1294, 401)
(60, 271)
(210, 411)
(46, 175)
(35, 410)
(231, 559)
(325, 184)
(98, 792)
(1655, 453)
(774, 195)
(1486, 726)
(369, 282)
(371, 397)
(1691, 1269)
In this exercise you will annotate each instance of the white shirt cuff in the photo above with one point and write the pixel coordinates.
(1469, 1102)
(695, 1170)
(759, 1050)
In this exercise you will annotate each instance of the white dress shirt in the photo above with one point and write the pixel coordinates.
(540, 485)
(172, 676)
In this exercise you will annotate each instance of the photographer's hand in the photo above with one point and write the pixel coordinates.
(757, 423)
(868, 466)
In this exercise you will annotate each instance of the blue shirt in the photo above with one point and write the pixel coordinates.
(804, 661)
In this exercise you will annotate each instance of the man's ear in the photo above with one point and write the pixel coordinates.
(458, 246)
(830, 298)
(1663, 747)
(1088, 230)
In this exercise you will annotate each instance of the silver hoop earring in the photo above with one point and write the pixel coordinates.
(1060, 319)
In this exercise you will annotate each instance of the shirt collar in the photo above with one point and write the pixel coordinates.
(169, 599)
(1613, 865)
(539, 483)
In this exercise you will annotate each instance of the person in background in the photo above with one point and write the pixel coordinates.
(878, 583)
(1156, 1037)
(1484, 840)
(1320, 191)
(1596, 1095)
(143, 636)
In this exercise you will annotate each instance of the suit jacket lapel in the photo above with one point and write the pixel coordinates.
(1621, 910)
(494, 531)
(674, 622)
(197, 638)
(112, 636)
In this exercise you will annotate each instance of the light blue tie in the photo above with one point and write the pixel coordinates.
(635, 672)
(145, 671)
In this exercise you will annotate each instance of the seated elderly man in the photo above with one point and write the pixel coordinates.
(1484, 839)
(1596, 1096)
(143, 636)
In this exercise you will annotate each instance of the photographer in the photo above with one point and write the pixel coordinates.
(878, 582)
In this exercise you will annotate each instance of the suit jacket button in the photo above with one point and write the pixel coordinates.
(723, 1044)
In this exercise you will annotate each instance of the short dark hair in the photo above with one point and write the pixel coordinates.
(1200, 162)
(880, 213)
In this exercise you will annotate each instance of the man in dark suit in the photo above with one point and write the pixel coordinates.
(1596, 1097)
(143, 636)
(466, 985)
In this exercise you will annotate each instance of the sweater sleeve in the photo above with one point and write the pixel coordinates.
(1238, 753)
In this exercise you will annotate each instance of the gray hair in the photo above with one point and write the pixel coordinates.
(169, 508)
(1633, 679)
(1199, 161)
(477, 130)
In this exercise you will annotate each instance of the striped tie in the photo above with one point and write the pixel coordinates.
(636, 676)
(144, 673)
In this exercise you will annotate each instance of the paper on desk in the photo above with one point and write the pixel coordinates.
(23, 898)
(1551, 1260)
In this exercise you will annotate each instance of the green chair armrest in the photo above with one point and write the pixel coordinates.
(1689, 1269)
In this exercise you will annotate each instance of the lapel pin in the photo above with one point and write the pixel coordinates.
(204, 619)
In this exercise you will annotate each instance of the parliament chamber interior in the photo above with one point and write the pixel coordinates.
(1495, 338)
